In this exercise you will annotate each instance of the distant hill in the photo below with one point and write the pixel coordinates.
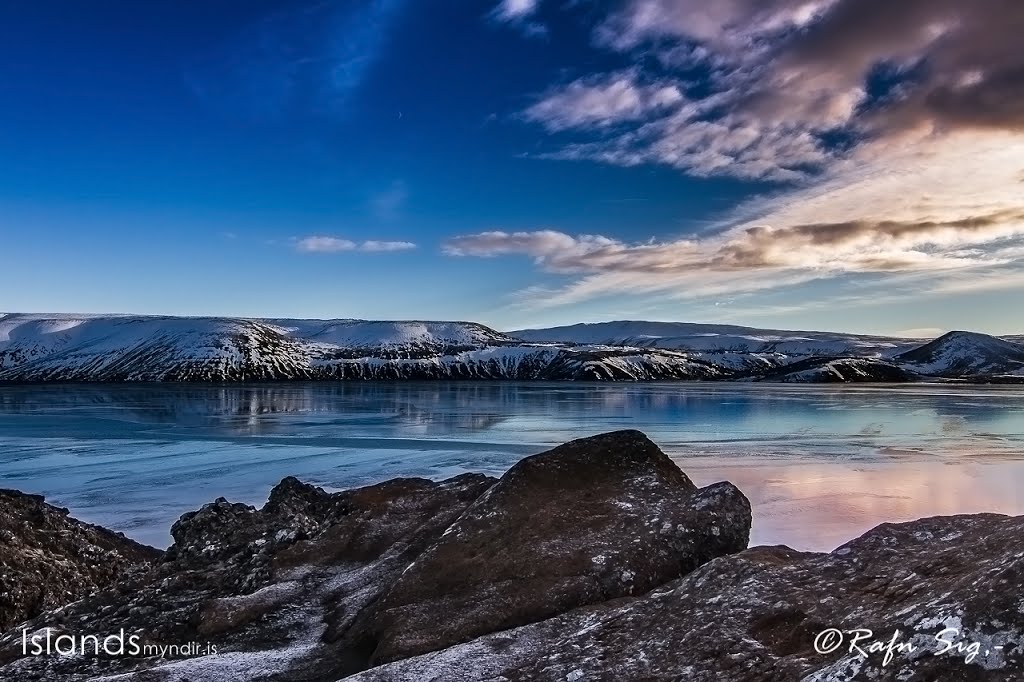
(719, 337)
(115, 348)
(38, 348)
(966, 354)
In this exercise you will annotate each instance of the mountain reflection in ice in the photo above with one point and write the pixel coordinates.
(820, 463)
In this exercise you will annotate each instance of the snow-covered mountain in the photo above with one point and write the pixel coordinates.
(802, 356)
(401, 336)
(841, 371)
(35, 348)
(720, 338)
(124, 348)
(966, 354)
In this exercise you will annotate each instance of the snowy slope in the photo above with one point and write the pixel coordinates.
(123, 348)
(841, 370)
(37, 348)
(720, 338)
(116, 348)
(966, 354)
(368, 334)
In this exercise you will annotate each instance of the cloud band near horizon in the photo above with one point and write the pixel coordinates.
(325, 244)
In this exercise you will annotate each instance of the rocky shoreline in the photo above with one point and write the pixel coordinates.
(597, 560)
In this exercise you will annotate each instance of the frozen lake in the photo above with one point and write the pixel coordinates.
(820, 464)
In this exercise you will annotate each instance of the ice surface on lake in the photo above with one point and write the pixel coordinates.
(821, 464)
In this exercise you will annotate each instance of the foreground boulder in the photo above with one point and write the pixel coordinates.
(591, 520)
(318, 586)
(48, 559)
(948, 587)
(264, 582)
(598, 560)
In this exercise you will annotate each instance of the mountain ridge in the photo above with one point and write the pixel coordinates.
(719, 337)
(112, 348)
(961, 353)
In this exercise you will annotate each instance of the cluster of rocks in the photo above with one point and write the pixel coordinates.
(598, 559)
(48, 559)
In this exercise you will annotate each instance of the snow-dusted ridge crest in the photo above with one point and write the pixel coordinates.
(118, 347)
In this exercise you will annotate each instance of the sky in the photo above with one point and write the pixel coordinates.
(854, 165)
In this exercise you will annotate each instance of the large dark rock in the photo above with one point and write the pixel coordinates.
(279, 583)
(756, 615)
(589, 521)
(315, 586)
(598, 560)
(48, 559)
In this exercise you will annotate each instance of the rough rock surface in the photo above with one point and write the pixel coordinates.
(591, 520)
(264, 586)
(298, 590)
(48, 559)
(593, 561)
(755, 616)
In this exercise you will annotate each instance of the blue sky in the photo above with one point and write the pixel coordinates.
(523, 163)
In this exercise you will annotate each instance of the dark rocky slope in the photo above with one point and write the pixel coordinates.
(598, 560)
(589, 521)
(315, 586)
(755, 616)
(48, 559)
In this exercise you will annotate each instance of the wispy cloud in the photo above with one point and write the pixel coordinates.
(787, 74)
(386, 246)
(511, 10)
(387, 205)
(520, 14)
(756, 257)
(895, 133)
(306, 60)
(602, 101)
(856, 246)
(323, 244)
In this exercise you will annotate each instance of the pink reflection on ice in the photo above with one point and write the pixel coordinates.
(820, 505)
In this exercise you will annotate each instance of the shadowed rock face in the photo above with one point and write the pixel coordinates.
(272, 583)
(755, 616)
(317, 586)
(48, 559)
(591, 520)
(598, 560)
